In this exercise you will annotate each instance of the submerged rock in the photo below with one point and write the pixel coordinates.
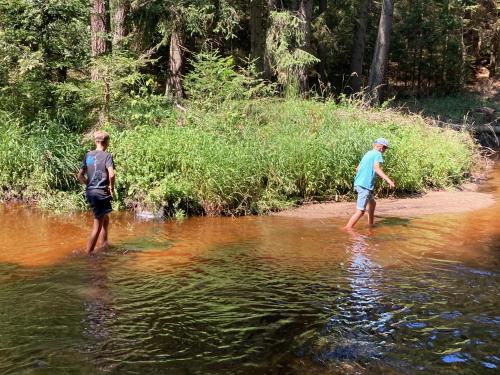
(149, 215)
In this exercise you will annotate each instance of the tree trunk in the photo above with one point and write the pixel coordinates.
(272, 6)
(495, 53)
(493, 62)
(176, 63)
(323, 6)
(358, 52)
(99, 28)
(122, 9)
(258, 28)
(380, 60)
(99, 32)
(305, 15)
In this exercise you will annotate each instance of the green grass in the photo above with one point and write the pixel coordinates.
(38, 160)
(247, 157)
(262, 156)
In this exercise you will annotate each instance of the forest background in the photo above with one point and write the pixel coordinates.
(235, 107)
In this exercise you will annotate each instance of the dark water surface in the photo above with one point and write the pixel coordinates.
(257, 295)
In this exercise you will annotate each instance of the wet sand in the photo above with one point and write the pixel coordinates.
(434, 202)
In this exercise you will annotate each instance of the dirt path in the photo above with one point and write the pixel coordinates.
(438, 202)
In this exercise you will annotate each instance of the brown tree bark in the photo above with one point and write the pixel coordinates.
(358, 51)
(259, 14)
(494, 56)
(100, 45)
(122, 9)
(272, 6)
(305, 15)
(495, 44)
(378, 69)
(322, 51)
(99, 27)
(176, 64)
(323, 6)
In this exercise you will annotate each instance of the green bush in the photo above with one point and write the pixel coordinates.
(253, 157)
(37, 160)
(277, 153)
(215, 80)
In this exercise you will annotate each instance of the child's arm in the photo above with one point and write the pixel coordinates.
(380, 172)
(82, 178)
(111, 176)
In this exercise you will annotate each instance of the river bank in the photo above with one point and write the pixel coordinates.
(469, 196)
(245, 158)
(434, 202)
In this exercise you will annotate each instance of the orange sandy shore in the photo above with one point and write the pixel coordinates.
(435, 202)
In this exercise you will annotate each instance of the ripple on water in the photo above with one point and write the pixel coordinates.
(288, 300)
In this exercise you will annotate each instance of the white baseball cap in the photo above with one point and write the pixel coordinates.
(382, 141)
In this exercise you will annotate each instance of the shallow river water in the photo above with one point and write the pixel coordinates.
(254, 295)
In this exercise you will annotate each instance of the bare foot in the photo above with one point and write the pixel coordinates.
(103, 247)
(348, 229)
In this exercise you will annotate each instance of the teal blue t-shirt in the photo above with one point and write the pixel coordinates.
(366, 170)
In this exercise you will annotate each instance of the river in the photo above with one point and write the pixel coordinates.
(252, 295)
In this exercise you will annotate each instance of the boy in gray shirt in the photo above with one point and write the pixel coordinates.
(97, 173)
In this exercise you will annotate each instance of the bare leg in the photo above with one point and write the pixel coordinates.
(96, 229)
(371, 212)
(105, 231)
(354, 219)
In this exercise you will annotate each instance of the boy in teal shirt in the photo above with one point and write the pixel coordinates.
(364, 183)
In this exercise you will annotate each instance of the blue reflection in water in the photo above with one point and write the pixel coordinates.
(359, 313)
(454, 358)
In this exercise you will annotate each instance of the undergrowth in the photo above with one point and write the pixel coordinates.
(260, 156)
(246, 157)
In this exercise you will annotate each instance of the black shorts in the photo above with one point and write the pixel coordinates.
(100, 201)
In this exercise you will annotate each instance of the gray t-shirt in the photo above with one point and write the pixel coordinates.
(95, 164)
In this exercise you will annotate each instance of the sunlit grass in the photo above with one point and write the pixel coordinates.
(248, 157)
(266, 155)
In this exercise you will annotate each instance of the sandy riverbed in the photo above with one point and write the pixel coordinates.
(434, 202)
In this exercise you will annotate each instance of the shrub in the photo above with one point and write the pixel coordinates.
(215, 80)
(277, 153)
(254, 157)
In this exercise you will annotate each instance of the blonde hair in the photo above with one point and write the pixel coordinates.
(101, 136)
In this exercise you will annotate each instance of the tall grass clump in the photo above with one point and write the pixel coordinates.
(246, 157)
(38, 162)
(265, 155)
(187, 169)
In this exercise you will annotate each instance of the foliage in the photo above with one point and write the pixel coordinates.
(278, 154)
(456, 109)
(298, 151)
(428, 46)
(37, 160)
(40, 41)
(215, 79)
(120, 81)
(283, 41)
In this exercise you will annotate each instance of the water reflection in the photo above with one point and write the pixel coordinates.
(100, 315)
(265, 295)
(349, 334)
